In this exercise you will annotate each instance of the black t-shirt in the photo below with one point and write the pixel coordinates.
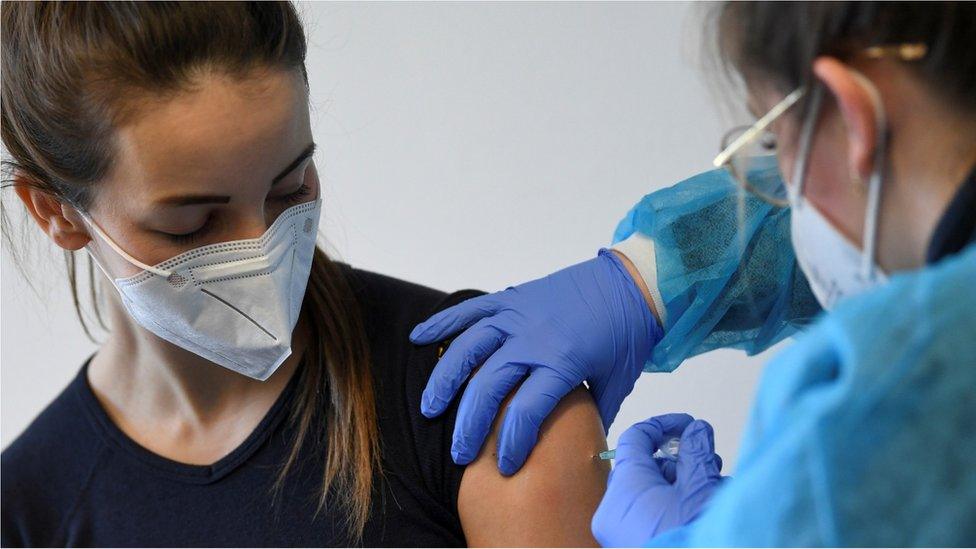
(73, 478)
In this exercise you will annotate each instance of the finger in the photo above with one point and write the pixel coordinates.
(465, 353)
(697, 467)
(650, 434)
(668, 468)
(481, 400)
(454, 319)
(531, 405)
(636, 446)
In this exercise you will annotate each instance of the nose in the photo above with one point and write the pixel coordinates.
(254, 225)
(254, 222)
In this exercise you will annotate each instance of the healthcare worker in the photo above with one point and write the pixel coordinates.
(863, 431)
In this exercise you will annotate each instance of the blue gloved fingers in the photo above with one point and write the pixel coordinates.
(454, 319)
(637, 445)
(668, 468)
(531, 405)
(466, 352)
(697, 468)
(482, 398)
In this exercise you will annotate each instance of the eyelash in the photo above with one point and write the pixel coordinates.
(296, 196)
(191, 237)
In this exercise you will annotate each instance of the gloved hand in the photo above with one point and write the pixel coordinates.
(645, 495)
(586, 322)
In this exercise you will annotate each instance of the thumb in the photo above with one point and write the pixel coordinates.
(639, 442)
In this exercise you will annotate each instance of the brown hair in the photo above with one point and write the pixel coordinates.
(67, 66)
(779, 41)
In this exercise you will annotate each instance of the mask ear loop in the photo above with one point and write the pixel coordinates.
(98, 230)
(868, 264)
(805, 145)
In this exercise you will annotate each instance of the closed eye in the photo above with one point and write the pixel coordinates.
(192, 236)
(296, 197)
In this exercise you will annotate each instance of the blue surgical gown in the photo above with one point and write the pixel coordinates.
(863, 431)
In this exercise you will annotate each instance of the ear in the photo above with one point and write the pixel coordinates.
(61, 222)
(856, 109)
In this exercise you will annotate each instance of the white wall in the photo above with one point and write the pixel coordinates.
(467, 145)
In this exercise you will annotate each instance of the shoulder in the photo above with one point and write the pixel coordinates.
(391, 307)
(871, 380)
(392, 299)
(45, 468)
(919, 323)
(418, 447)
(920, 318)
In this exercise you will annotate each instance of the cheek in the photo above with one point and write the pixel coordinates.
(830, 188)
(312, 179)
(110, 260)
(785, 132)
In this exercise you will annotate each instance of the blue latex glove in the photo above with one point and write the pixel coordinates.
(647, 496)
(586, 322)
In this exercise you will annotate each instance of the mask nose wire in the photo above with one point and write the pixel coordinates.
(118, 249)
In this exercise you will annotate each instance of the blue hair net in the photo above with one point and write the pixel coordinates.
(726, 270)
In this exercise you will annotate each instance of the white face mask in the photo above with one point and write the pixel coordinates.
(234, 303)
(834, 266)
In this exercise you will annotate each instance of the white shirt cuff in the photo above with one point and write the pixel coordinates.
(639, 249)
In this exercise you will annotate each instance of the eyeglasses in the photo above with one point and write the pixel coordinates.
(749, 152)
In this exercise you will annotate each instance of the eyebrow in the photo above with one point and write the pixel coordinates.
(190, 199)
(309, 151)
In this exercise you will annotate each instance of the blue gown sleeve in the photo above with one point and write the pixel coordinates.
(862, 431)
(722, 286)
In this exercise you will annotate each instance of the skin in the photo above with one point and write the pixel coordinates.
(931, 148)
(233, 138)
(551, 500)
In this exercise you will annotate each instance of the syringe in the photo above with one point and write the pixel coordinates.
(668, 451)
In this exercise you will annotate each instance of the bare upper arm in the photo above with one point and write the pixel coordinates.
(551, 500)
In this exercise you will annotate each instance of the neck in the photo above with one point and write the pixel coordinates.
(148, 386)
(931, 152)
(914, 199)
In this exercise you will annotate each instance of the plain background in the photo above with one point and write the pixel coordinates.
(466, 146)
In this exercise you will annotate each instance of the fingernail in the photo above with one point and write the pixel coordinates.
(427, 405)
(507, 466)
(460, 457)
(417, 331)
